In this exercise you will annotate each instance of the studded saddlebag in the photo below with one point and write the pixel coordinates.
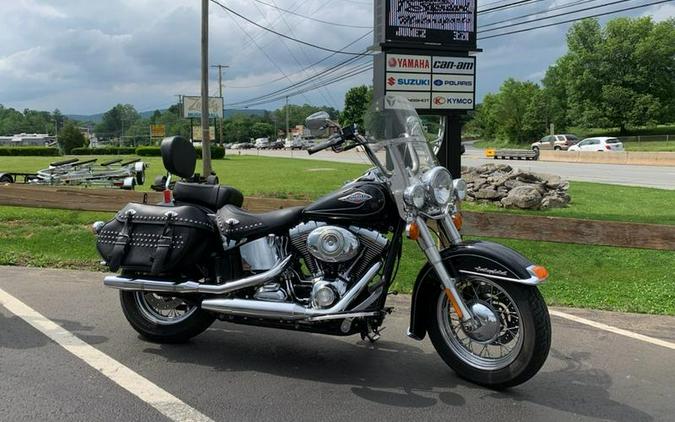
(155, 239)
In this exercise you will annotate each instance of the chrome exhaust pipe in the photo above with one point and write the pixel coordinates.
(286, 310)
(167, 286)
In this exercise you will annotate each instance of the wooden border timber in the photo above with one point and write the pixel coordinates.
(512, 226)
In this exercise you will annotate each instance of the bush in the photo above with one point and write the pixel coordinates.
(217, 152)
(30, 151)
(103, 151)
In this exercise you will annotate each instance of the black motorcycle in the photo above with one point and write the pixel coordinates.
(327, 268)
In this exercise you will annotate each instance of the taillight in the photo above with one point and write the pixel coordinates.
(608, 147)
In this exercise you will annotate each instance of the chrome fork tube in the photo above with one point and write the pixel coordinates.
(429, 248)
(449, 229)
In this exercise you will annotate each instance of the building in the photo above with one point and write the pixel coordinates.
(27, 140)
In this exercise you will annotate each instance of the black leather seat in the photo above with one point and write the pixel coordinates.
(211, 196)
(236, 224)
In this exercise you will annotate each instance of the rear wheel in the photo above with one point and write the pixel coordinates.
(557, 148)
(511, 345)
(535, 149)
(164, 319)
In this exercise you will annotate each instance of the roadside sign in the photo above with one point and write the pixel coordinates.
(157, 131)
(197, 133)
(192, 107)
(437, 82)
(438, 24)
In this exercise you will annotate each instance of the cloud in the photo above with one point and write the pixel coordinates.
(84, 56)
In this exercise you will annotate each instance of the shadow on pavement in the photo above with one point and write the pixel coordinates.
(393, 373)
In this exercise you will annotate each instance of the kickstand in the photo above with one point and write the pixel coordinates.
(371, 333)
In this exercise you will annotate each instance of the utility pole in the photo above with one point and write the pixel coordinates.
(220, 86)
(206, 144)
(287, 129)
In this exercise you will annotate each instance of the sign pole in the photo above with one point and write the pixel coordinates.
(206, 147)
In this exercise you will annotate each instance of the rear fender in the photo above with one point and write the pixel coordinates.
(485, 259)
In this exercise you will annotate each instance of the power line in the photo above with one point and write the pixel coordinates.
(303, 70)
(290, 12)
(286, 36)
(519, 3)
(564, 6)
(573, 20)
(571, 12)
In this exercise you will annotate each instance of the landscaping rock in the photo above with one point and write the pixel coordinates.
(513, 188)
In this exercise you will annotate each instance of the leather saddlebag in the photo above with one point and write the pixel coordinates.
(155, 239)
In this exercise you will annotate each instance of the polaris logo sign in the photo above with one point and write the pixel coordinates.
(408, 82)
(457, 83)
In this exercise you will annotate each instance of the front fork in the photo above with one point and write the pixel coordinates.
(426, 242)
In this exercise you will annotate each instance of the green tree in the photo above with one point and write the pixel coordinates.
(357, 101)
(617, 76)
(70, 137)
(117, 120)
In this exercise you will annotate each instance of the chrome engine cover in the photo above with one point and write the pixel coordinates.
(332, 244)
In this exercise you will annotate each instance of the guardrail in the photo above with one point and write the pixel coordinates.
(494, 224)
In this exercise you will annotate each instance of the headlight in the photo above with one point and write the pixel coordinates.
(439, 181)
(414, 195)
(460, 188)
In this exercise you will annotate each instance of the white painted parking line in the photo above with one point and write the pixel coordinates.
(166, 403)
(614, 330)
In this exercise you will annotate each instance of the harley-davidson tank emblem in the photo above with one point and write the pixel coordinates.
(490, 271)
(357, 197)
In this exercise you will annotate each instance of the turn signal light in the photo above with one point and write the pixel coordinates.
(458, 220)
(540, 272)
(412, 230)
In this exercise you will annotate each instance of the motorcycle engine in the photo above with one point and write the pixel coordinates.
(336, 257)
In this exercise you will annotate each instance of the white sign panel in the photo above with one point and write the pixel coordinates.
(408, 63)
(459, 83)
(417, 99)
(408, 82)
(192, 107)
(452, 101)
(454, 65)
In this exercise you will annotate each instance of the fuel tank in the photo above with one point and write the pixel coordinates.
(358, 201)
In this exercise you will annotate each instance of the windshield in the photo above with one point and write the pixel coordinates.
(397, 144)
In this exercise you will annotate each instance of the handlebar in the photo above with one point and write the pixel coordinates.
(327, 144)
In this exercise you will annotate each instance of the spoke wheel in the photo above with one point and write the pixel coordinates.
(163, 310)
(510, 345)
(164, 319)
(488, 347)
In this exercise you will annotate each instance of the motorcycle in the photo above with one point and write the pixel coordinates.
(327, 268)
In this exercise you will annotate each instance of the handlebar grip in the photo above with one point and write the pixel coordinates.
(317, 148)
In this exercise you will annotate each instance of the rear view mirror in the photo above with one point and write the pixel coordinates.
(317, 121)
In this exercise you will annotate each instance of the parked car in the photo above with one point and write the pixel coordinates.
(598, 144)
(262, 143)
(555, 142)
(278, 144)
(295, 143)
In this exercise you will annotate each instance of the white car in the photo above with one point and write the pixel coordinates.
(602, 143)
(262, 143)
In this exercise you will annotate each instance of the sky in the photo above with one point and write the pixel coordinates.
(85, 56)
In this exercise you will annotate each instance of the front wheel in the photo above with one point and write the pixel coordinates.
(514, 338)
(164, 319)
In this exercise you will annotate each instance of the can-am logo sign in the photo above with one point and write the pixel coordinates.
(454, 65)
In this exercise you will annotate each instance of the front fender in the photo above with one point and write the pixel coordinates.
(486, 259)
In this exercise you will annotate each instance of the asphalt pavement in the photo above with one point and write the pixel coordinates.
(662, 177)
(247, 373)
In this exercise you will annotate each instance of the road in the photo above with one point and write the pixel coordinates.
(242, 373)
(662, 177)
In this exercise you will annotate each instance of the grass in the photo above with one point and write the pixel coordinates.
(254, 176)
(597, 277)
(596, 201)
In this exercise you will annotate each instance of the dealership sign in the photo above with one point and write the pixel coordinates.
(192, 107)
(439, 24)
(429, 82)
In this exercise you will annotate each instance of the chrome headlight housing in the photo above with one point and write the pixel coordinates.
(415, 195)
(439, 182)
(459, 185)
